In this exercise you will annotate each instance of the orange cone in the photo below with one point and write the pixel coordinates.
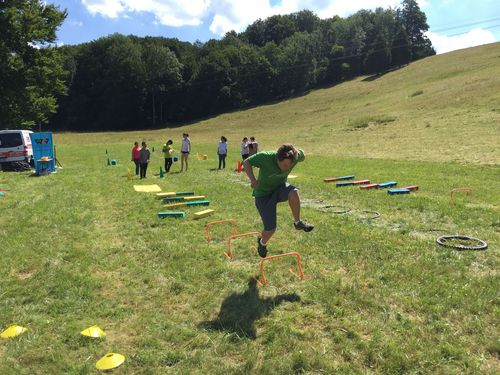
(240, 167)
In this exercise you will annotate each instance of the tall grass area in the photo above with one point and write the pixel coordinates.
(81, 247)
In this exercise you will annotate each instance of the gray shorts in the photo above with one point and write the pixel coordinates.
(267, 205)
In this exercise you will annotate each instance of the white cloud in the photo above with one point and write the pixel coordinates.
(227, 15)
(167, 12)
(475, 37)
(108, 8)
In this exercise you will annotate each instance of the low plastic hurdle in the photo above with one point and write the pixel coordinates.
(232, 237)
(387, 184)
(165, 214)
(208, 225)
(183, 199)
(369, 186)
(333, 179)
(468, 191)
(411, 187)
(358, 182)
(300, 274)
(398, 191)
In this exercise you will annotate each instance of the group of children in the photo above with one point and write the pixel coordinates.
(249, 148)
(141, 155)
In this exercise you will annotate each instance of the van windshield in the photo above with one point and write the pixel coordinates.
(10, 140)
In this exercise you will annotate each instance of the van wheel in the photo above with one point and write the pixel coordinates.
(32, 163)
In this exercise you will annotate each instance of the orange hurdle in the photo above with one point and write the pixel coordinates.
(300, 275)
(232, 237)
(208, 225)
(468, 191)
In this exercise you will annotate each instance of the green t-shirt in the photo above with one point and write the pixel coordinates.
(270, 175)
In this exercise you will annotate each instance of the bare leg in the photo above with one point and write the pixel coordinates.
(294, 202)
(266, 235)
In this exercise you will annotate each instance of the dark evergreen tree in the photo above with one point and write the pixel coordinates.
(415, 24)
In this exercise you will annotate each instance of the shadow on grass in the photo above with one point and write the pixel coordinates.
(239, 311)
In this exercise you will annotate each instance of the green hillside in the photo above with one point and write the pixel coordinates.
(443, 108)
(80, 247)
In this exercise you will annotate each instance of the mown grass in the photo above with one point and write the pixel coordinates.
(81, 247)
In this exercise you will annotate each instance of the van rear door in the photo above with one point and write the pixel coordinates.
(11, 147)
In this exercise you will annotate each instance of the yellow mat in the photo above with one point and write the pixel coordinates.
(147, 188)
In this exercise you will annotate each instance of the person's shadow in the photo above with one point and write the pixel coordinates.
(239, 311)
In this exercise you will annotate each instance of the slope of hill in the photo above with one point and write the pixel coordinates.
(443, 108)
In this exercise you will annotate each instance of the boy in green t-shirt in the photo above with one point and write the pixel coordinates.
(270, 188)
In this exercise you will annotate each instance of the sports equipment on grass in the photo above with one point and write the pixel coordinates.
(212, 223)
(410, 187)
(165, 214)
(398, 191)
(232, 237)
(93, 331)
(147, 188)
(369, 186)
(173, 194)
(13, 331)
(332, 179)
(387, 184)
(468, 191)
(300, 274)
(457, 241)
(184, 199)
(182, 204)
(204, 213)
(109, 361)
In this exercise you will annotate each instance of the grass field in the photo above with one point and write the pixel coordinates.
(81, 247)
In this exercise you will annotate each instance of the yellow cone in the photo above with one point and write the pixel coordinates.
(13, 331)
(109, 361)
(93, 331)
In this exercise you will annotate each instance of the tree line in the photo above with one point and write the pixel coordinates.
(126, 82)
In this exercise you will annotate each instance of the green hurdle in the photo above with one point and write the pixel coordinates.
(165, 214)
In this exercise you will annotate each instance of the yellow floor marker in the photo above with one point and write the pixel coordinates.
(13, 331)
(93, 331)
(109, 361)
(147, 188)
(204, 213)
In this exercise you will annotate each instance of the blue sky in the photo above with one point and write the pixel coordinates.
(454, 24)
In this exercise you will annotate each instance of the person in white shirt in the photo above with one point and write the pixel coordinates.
(185, 150)
(244, 148)
(253, 146)
(222, 152)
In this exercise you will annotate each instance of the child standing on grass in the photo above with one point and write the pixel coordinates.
(168, 152)
(144, 156)
(244, 148)
(185, 150)
(135, 157)
(222, 151)
(253, 146)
